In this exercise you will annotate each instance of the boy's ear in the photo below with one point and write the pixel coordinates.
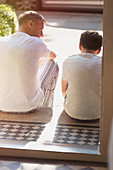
(30, 23)
(80, 46)
(98, 51)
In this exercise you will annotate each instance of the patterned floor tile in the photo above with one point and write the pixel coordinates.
(63, 134)
(20, 132)
(10, 165)
(73, 135)
(1, 164)
(6, 163)
(4, 168)
(25, 166)
(63, 168)
(14, 165)
(87, 168)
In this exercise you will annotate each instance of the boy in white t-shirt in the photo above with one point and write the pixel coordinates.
(24, 86)
(81, 80)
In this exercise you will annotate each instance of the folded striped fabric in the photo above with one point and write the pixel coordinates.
(48, 77)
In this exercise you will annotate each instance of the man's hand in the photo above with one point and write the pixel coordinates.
(52, 55)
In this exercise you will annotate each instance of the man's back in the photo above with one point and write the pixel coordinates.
(20, 88)
(83, 100)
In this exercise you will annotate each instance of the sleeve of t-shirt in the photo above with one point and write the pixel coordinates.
(64, 71)
(43, 50)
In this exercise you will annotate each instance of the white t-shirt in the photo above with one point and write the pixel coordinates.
(83, 73)
(19, 79)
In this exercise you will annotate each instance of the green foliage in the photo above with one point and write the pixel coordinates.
(8, 20)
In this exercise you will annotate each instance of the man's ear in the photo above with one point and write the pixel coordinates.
(80, 46)
(30, 23)
(98, 51)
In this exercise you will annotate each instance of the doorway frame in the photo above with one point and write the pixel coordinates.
(107, 106)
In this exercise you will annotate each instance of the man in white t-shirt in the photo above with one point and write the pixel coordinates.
(81, 80)
(22, 88)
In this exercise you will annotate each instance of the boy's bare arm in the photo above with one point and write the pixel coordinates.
(64, 87)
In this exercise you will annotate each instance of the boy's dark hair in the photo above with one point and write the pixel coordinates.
(30, 15)
(91, 40)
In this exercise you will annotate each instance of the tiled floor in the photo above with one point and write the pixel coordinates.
(41, 165)
(64, 134)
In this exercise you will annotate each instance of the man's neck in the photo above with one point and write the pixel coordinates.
(23, 29)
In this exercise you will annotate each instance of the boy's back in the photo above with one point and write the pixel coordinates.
(83, 99)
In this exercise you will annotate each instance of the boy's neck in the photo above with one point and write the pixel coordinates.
(88, 51)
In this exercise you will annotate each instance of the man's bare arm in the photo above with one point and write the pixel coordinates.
(52, 56)
(64, 87)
